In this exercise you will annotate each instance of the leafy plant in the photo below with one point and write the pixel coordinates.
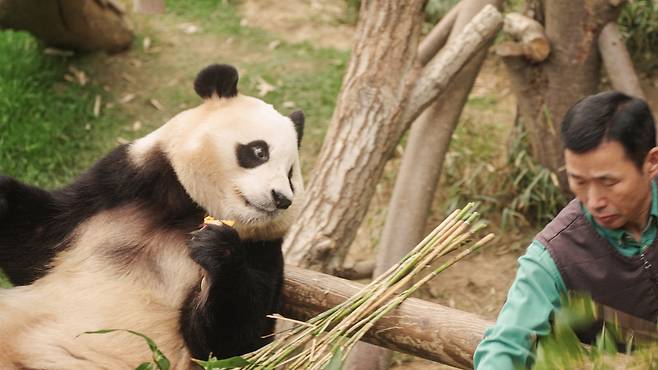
(638, 23)
(533, 192)
(562, 350)
(227, 363)
(519, 189)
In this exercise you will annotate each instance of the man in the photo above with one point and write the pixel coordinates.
(603, 242)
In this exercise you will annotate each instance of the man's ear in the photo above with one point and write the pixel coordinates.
(651, 162)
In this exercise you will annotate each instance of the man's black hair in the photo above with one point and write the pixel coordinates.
(610, 115)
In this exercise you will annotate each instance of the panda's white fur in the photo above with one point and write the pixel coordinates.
(41, 323)
(93, 284)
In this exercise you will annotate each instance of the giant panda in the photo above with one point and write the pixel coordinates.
(123, 246)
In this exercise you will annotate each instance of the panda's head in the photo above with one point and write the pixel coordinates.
(236, 155)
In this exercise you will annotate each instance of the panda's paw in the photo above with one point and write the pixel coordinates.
(215, 247)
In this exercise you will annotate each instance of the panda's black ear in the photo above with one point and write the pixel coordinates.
(220, 79)
(298, 119)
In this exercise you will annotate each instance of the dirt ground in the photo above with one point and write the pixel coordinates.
(478, 284)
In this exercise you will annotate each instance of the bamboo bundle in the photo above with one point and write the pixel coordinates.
(324, 341)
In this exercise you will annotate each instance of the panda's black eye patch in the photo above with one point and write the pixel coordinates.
(252, 154)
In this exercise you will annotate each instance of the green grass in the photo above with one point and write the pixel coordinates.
(43, 139)
(305, 75)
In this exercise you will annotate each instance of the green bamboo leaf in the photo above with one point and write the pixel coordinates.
(145, 366)
(226, 363)
(158, 357)
(605, 341)
(335, 363)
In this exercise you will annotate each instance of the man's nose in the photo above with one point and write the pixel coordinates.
(595, 199)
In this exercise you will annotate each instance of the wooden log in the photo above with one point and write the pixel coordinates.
(617, 61)
(83, 25)
(531, 40)
(416, 327)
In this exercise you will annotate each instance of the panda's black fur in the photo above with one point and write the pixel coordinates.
(36, 222)
(242, 278)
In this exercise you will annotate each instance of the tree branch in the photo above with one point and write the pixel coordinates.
(438, 73)
(438, 36)
(532, 42)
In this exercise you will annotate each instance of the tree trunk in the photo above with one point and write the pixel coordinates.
(572, 71)
(418, 176)
(364, 125)
(83, 25)
(416, 327)
(379, 100)
(617, 61)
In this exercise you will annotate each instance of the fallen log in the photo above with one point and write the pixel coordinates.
(417, 327)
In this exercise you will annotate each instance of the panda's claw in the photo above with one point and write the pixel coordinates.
(215, 246)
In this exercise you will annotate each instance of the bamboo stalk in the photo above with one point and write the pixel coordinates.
(342, 326)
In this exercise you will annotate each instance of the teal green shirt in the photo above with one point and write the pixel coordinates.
(535, 293)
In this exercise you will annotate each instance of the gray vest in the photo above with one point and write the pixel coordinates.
(588, 263)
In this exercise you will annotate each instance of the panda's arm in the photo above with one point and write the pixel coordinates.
(226, 315)
(26, 238)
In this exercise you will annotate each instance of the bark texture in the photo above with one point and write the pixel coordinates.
(545, 91)
(417, 327)
(419, 173)
(531, 41)
(379, 100)
(362, 134)
(83, 25)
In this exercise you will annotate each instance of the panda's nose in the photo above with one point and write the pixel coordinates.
(280, 200)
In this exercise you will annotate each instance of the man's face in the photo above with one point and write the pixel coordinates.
(611, 186)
